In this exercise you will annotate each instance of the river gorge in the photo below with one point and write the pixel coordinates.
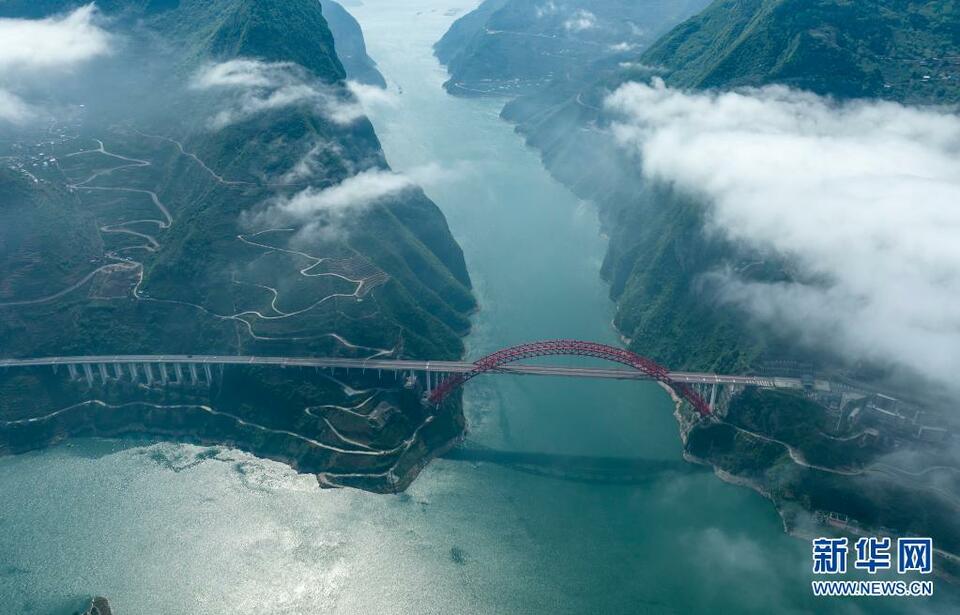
(180, 529)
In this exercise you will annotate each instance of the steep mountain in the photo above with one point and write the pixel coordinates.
(212, 187)
(351, 48)
(901, 50)
(517, 46)
(464, 30)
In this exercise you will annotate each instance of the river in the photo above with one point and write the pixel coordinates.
(175, 529)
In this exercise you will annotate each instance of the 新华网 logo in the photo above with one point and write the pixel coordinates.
(871, 554)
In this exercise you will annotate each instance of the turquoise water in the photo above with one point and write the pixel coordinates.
(174, 529)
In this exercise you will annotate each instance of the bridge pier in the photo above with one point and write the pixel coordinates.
(194, 377)
(132, 368)
(88, 374)
(410, 382)
(118, 371)
(148, 374)
(713, 396)
(178, 370)
(164, 376)
(103, 372)
(208, 373)
(72, 369)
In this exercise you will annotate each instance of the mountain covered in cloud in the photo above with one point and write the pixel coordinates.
(858, 199)
(198, 177)
(836, 49)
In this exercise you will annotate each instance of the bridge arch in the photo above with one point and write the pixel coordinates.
(492, 362)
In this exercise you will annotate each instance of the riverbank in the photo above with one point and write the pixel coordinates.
(376, 438)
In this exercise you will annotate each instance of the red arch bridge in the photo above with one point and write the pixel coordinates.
(551, 348)
(439, 378)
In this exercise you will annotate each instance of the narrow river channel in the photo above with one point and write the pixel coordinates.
(174, 529)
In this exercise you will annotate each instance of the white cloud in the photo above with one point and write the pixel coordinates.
(309, 164)
(371, 95)
(33, 47)
(243, 74)
(344, 112)
(254, 104)
(56, 42)
(641, 66)
(13, 109)
(263, 86)
(347, 111)
(326, 212)
(547, 8)
(361, 190)
(266, 86)
(580, 21)
(863, 197)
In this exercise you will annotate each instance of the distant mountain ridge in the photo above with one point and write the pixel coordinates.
(272, 30)
(902, 50)
(518, 46)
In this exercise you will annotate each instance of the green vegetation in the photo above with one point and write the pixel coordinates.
(900, 50)
(734, 451)
(38, 240)
(213, 277)
(656, 259)
(743, 445)
(793, 419)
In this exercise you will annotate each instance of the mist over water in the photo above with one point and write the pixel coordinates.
(176, 529)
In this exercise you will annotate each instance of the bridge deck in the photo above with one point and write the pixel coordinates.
(447, 367)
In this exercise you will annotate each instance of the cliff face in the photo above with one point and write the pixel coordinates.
(212, 187)
(351, 48)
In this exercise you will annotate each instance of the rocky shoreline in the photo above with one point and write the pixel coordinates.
(98, 606)
(686, 424)
(788, 511)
